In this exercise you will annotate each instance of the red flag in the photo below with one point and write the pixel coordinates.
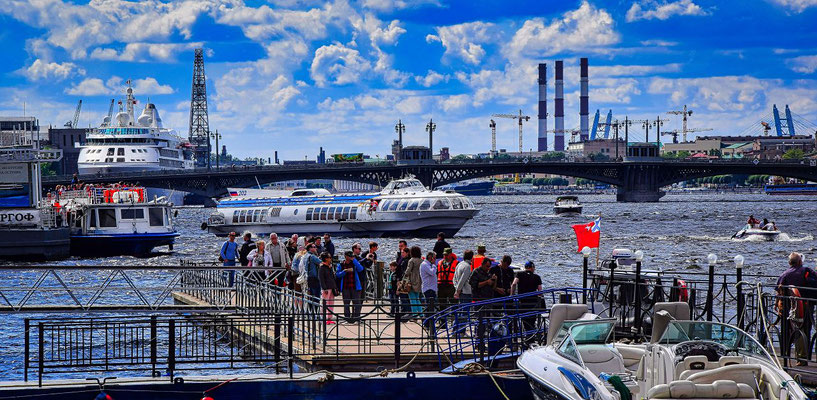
(587, 235)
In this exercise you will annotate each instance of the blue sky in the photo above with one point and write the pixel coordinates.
(293, 75)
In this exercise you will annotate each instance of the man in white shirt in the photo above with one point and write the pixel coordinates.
(462, 288)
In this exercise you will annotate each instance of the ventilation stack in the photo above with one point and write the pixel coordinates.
(583, 102)
(559, 109)
(543, 114)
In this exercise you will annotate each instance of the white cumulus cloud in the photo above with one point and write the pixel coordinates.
(797, 6)
(143, 52)
(803, 64)
(653, 9)
(464, 41)
(586, 28)
(116, 85)
(336, 64)
(431, 78)
(47, 70)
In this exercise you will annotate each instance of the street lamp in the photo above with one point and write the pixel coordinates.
(639, 256)
(430, 128)
(585, 255)
(712, 259)
(739, 266)
(215, 135)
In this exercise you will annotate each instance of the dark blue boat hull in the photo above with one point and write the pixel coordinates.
(138, 244)
(474, 189)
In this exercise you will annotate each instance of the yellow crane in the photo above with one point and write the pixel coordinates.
(520, 118)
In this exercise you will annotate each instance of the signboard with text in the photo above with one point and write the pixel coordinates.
(19, 217)
(15, 188)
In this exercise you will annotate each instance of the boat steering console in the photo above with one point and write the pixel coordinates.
(712, 350)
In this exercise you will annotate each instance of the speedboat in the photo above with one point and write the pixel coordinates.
(404, 208)
(683, 360)
(749, 232)
(567, 204)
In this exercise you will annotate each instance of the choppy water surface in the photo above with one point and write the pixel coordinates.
(676, 233)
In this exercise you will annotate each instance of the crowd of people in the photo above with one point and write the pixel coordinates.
(418, 284)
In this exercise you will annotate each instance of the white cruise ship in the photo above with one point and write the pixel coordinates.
(130, 144)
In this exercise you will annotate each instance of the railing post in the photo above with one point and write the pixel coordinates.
(26, 351)
(637, 311)
(379, 280)
(584, 280)
(481, 335)
(153, 342)
(171, 348)
(673, 291)
(40, 351)
(291, 333)
(740, 297)
(397, 325)
(709, 293)
(277, 346)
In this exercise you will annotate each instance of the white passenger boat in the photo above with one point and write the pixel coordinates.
(108, 221)
(130, 144)
(403, 208)
(683, 360)
(567, 205)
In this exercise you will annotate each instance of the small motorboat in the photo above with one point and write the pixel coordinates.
(683, 360)
(567, 205)
(749, 232)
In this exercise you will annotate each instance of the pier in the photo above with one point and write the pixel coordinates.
(189, 318)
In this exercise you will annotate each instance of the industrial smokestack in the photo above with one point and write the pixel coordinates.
(559, 109)
(543, 115)
(583, 101)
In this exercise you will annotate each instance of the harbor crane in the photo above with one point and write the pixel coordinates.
(520, 118)
(107, 120)
(73, 123)
(674, 133)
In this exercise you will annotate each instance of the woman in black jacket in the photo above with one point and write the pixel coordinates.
(326, 276)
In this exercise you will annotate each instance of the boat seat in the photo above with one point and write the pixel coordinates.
(693, 364)
(559, 313)
(600, 358)
(631, 355)
(719, 389)
(748, 374)
(730, 360)
(666, 312)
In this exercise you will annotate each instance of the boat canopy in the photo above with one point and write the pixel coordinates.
(723, 334)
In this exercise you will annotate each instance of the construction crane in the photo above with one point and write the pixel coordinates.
(674, 133)
(684, 113)
(75, 121)
(520, 118)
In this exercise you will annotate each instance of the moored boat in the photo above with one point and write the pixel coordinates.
(109, 221)
(683, 360)
(30, 229)
(403, 208)
(567, 205)
(472, 187)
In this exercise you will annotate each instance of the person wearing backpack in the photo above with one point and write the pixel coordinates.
(799, 281)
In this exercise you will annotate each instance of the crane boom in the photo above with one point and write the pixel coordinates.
(76, 114)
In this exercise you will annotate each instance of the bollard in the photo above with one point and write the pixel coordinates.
(153, 344)
(171, 348)
(290, 334)
(277, 348)
(565, 298)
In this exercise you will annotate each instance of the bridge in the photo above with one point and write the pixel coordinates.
(637, 181)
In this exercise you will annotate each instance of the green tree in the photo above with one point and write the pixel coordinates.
(527, 180)
(793, 154)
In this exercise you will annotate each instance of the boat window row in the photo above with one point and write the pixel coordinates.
(439, 203)
(96, 141)
(107, 216)
(124, 131)
(256, 215)
(168, 153)
(331, 213)
(171, 163)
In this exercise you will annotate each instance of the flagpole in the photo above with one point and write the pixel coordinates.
(598, 249)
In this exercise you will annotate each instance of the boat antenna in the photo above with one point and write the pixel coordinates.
(256, 182)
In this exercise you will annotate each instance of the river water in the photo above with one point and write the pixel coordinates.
(678, 232)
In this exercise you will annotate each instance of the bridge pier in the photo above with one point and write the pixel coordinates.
(640, 184)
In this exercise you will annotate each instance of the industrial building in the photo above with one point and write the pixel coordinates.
(19, 131)
(611, 148)
(67, 139)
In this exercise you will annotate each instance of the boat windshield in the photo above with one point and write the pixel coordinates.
(594, 332)
(725, 335)
(404, 184)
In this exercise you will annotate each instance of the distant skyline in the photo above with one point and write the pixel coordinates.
(294, 75)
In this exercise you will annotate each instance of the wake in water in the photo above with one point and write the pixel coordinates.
(782, 237)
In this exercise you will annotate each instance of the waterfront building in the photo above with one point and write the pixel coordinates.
(70, 141)
(19, 131)
(606, 147)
